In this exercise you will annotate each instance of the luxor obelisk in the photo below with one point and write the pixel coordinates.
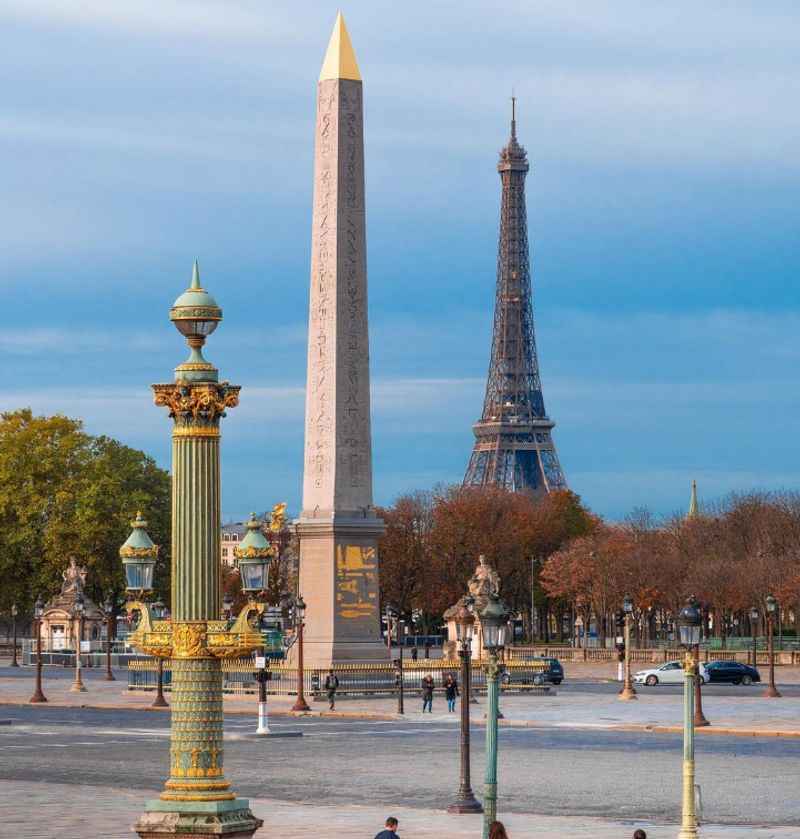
(338, 528)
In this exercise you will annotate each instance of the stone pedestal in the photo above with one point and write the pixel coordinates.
(198, 820)
(339, 575)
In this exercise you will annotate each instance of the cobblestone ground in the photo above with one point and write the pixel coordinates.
(54, 811)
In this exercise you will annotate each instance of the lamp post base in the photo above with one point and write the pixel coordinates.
(700, 721)
(772, 693)
(38, 696)
(110, 677)
(465, 803)
(197, 819)
(77, 687)
(627, 693)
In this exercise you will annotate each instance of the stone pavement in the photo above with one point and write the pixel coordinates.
(53, 811)
(739, 710)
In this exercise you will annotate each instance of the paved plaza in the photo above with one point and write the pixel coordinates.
(577, 763)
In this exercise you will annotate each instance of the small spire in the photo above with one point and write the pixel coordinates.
(340, 59)
(195, 277)
(513, 115)
(694, 509)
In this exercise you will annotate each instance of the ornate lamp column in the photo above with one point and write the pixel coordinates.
(772, 605)
(14, 613)
(38, 611)
(628, 692)
(465, 621)
(78, 686)
(108, 609)
(689, 621)
(494, 622)
(197, 800)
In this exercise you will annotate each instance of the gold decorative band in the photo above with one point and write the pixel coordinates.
(198, 785)
(195, 431)
(211, 796)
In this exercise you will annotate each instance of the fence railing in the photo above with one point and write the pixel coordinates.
(238, 677)
(648, 656)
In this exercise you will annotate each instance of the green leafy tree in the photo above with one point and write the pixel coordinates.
(65, 493)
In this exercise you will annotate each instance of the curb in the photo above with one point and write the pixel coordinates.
(726, 731)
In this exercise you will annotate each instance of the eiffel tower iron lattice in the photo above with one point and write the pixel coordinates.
(513, 439)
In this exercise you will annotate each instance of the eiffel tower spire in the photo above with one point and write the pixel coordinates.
(513, 441)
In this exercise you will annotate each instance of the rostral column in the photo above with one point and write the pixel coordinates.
(338, 528)
(197, 799)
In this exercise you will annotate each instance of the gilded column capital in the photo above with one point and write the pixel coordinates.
(196, 407)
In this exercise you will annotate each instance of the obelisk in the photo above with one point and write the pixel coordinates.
(338, 528)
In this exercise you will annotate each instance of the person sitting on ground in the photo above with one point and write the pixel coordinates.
(391, 829)
(639, 834)
(497, 831)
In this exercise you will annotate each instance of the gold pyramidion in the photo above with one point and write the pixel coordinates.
(340, 59)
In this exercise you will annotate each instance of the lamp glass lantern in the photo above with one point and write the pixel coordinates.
(754, 614)
(689, 622)
(299, 609)
(14, 610)
(139, 558)
(772, 604)
(253, 554)
(465, 623)
(494, 623)
(38, 608)
(253, 572)
(627, 605)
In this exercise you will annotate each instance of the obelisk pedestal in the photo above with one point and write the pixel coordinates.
(338, 529)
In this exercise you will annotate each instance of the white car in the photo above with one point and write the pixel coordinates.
(670, 673)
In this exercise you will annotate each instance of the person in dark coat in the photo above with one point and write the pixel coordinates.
(331, 686)
(427, 694)
(391, 829)
(451, 691)
(414, 653)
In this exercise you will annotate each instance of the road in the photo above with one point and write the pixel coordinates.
(415, 762)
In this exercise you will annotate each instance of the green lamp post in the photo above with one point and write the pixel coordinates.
(197, 799)
(689, 621)
(494, 622)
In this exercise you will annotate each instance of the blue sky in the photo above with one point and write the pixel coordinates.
(665, 149)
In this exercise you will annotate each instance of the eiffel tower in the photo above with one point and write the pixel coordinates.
(513, 438)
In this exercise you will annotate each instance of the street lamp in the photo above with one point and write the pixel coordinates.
(38, 611)
(14, 613)
(159, 611)
(628, 692)
(465, 624)
(772, 606)
(78, 610)
(689, 621)
(393, 622)
(197, 797)
(494, 623)
(108, 608)
(299, 614)
(754, 616)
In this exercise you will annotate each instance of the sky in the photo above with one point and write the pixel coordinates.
(664, 142)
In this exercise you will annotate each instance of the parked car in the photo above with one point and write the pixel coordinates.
(731, 671)
(670, 673)
(553, 673)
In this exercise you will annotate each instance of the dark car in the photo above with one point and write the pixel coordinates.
(553, 672)
(732, 672)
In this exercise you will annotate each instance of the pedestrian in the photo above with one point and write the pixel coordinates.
(451, 690)
(427, 650)
(331, 686)
(639, 834)
(414, 653)
(427, 694)
(497, 831)
(391, 829)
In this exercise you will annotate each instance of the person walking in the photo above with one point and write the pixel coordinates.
(414, 653)
(639, 834)
(451, 691)
(331, 686)
(391, 829)
(497, 831)
(427, 694)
